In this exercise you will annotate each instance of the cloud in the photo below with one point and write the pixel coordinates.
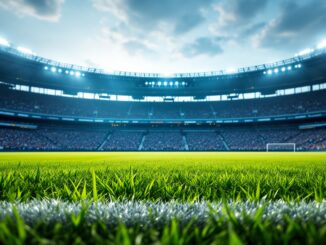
(177, 16)
(42, 9)
(135, 47)
(238, 13)
(203, 46)
(296, 26)
(239, 20)
(247, 9)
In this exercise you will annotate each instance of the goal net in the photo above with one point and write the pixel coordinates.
(280, 147)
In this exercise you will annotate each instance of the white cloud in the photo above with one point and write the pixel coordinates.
(48, 10)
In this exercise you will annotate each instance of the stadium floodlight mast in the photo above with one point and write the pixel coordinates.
(281, 147)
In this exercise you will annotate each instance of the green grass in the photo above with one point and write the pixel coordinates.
(163, 177)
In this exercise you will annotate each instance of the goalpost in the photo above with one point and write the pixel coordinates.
(281, 147)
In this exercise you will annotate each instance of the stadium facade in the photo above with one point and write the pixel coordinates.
(47, 105)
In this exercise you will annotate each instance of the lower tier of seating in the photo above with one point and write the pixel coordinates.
(240, 138)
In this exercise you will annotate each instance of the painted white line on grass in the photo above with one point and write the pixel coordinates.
(149, 213)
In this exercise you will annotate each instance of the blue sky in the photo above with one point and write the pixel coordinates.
(164, 36)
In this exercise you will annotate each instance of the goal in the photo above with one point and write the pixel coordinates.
(280, 147)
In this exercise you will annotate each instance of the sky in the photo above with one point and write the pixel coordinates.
(164, 36)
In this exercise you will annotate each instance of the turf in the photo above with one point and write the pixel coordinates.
(163, 176)
(217, 181)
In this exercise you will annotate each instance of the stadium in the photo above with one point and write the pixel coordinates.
(50, 106)
(90, 154)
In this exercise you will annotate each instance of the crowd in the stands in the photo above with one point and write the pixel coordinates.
(246, 138)
(64, 106)
(74, 139)
(24, 140)
(205, 141)
(163, 141)
(123, 141)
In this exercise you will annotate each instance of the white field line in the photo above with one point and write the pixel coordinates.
(149, 213)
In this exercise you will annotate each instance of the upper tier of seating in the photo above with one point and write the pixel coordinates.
(65, 106)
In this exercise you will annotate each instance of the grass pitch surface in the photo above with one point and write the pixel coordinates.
(163, 176)
(169, 198)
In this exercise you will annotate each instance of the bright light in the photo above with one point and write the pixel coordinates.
(283, 69)
(299, 66)
(53, 69)
(146, 83)
(183, 83)
(165, 84)
(72, 73)
(46, 68)
(60, 70)
(171, 83)
(167, 75)
(305, 52)
(67, 72)
(269, 72)
(78, 74)
(4, 42)
(176, 83)
(231, 70)
(276, 70)
(24, 50)
(289, 68)
(322, 44)
(159, 83)
(83, 75)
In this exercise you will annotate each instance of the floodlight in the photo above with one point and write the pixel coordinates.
(67, 72)
(305, 52)
(159, 83)
(59, 70)
(183, 83)
(167, 75)
(78, 74)
(289, 68)
(165, 84)
(276, 70)
(24, 50)
(299, 66)
(72, 73)
(171, 83)
(269, 72)
(53, 69)
(231, 70)
(4, 42)
(46, 68)
(283, 69)
(83, 75)
(146, 83)
(176, 83)
(322, 44)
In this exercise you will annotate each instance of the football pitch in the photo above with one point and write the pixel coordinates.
(163, 198)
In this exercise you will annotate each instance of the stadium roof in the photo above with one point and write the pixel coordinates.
(299, 57)
(21, 66)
